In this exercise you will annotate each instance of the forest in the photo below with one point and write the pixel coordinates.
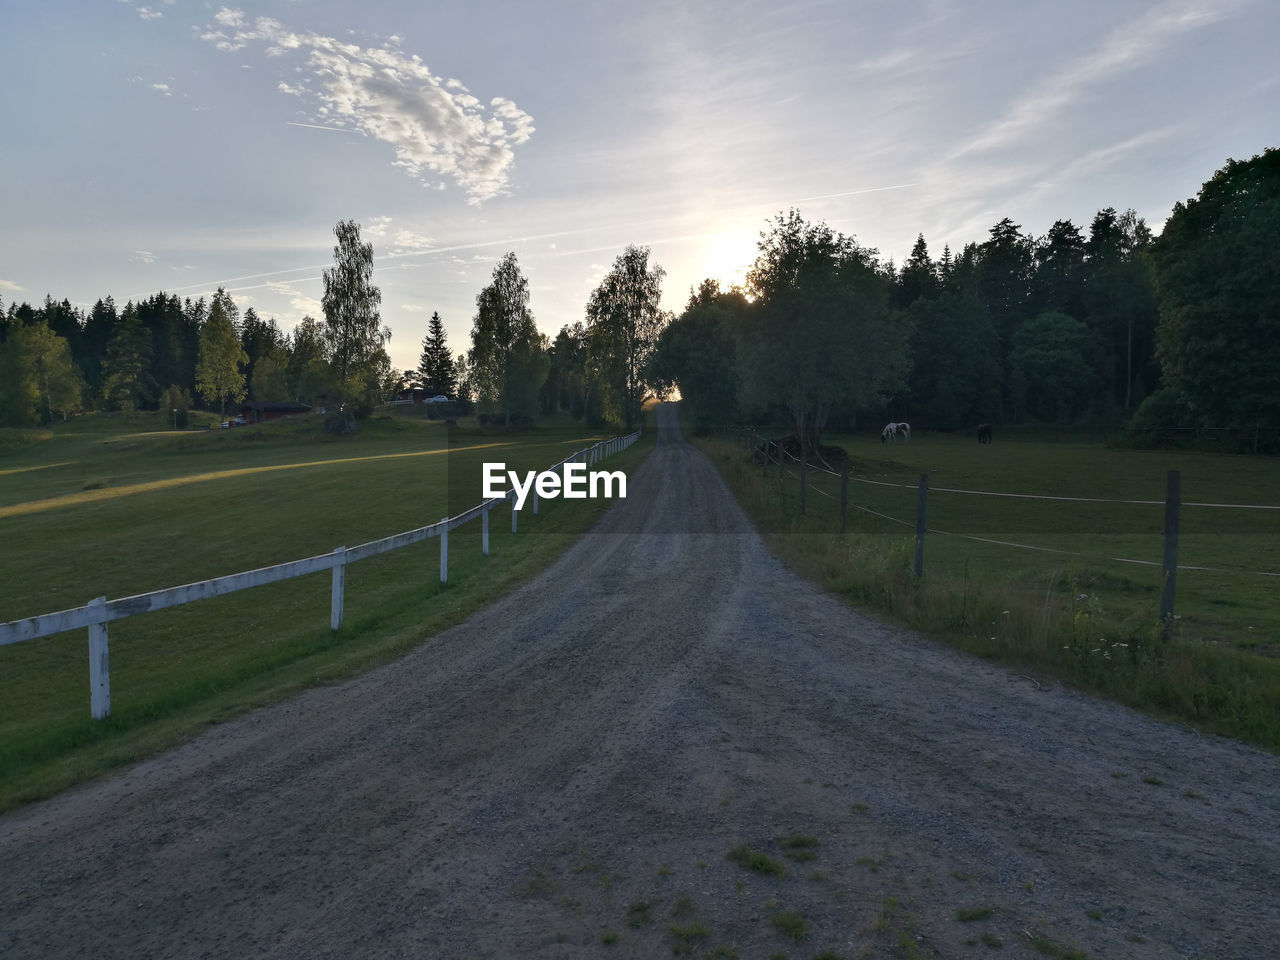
(1159, 339)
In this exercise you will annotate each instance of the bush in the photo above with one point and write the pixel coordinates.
(340, 423)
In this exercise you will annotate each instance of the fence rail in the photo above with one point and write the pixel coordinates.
(97, 613)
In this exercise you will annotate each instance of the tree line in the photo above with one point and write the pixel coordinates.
(171, 353)
(1106, 325)
(1109, 326)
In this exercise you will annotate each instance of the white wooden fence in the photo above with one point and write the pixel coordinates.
(97, 613)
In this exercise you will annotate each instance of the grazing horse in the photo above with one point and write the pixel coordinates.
(896, 431)
(984, 433)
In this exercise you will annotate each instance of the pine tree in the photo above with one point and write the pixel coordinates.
(435, 366)
(126, 372)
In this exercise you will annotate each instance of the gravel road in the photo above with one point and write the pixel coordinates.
(567, 773)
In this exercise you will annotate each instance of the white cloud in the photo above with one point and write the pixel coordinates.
(146, 13)
(412, 308)
(408, 240)
(162, 88)
(143, 256)
(10, 285)
(376, 227)
(1131, 44)
(435, 126)
(304, 305)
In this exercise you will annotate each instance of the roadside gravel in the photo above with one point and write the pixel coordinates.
(567, 773)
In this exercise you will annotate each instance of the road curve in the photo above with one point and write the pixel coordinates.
(567, 773)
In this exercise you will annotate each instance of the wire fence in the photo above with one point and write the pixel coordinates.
(776, 460)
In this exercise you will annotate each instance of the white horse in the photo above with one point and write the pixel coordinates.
(896, 431)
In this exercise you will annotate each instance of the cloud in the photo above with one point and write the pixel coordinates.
(307, 306)
(412, 308)
(435, 127)
(146, 13)
(162, 88)
(406, 240)
(143, 256)
(10, 285)
(1132, 44)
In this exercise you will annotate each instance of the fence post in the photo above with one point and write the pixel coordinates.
(339, 587)
(535, 499)
(920, 500)
(1169, 568)
(844, 493)
(99, 674)
(514, 511)
(804, 473)
(484, 532)
(444, 550)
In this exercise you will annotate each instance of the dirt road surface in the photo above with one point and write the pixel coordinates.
(568, 773)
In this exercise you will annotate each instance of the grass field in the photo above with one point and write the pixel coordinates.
(119, 505)
(1061, 588)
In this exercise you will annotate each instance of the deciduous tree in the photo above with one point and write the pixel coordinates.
(219, 377)
(507, 362)
(624, 315)
(355, 340)
(821, 331)
(1218, 283)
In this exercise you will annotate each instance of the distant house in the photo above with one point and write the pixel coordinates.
(411, 395)
(256, 411)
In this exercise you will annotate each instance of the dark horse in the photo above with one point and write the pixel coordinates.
(984, 433)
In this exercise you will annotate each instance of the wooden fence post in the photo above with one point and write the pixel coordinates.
(921, 495)
(444, 551)
(338, 588)
(1169, 566)
(99, 674)
(844, 493)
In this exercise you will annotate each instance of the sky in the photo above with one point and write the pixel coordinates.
(180, 146)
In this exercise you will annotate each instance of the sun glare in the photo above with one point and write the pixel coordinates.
(727, 257)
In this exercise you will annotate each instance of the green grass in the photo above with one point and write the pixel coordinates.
(750, 859)
(108, 506)
(686, 937)
(1079, 615)
(639, 914)
(790, 924)
(1049, 948)
(798, 847)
